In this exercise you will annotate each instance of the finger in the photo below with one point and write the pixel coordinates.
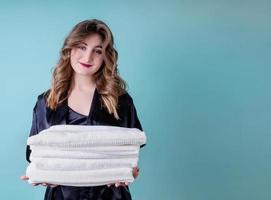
(117, 184)
(52, 185)
(126, 183)
(122, 184)
(135, 174)
(44, 184)
(24, 177)
(136, 169)
(35, 184)
(108, 185)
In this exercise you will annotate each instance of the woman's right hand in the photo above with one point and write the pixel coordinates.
(135, 172)
(25, 178)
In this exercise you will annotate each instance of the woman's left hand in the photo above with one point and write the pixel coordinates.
(135, 175)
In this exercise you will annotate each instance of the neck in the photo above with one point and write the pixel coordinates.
(83, 83)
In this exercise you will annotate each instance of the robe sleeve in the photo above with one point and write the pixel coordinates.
(33, 131)
(134, 121)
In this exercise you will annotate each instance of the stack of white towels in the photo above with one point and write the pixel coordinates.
(77, 155)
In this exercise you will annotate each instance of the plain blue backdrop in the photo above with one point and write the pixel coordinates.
(199, 74)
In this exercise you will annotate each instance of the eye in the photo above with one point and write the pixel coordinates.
(98, 51)
(82, 47)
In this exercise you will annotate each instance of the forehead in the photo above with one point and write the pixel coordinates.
(93, 40)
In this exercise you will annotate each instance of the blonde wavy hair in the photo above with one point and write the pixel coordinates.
(108, 82)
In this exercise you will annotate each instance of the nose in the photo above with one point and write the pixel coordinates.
(88, 56)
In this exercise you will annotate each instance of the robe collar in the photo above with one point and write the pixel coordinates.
(60, 115)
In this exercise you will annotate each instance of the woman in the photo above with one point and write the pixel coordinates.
(86, 90)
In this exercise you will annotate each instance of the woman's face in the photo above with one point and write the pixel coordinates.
(87, 58)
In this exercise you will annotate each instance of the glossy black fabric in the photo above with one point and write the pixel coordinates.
(75, 118)
(44, 117)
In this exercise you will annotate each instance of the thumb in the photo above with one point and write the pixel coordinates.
(24, 177)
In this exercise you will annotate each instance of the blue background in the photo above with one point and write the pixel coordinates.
(199, 74)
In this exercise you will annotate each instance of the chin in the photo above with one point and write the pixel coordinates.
(85, 73)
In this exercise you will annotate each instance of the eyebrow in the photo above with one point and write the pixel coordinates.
(99, 46)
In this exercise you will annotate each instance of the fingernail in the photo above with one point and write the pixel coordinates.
(52, 186)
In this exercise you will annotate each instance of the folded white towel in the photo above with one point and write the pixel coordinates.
(80, 128)
(79, 155)
(83, 164)
(79, 178)
(129, 149)
(88, 136)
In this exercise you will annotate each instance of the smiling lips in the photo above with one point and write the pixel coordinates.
(85, 65)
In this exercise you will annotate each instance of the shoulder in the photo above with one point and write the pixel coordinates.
(126, 104)
(41, 101)
(125, 99)
(128, 111)
(41, 97)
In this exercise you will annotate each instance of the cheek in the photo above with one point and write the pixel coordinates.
(99, 60)
(75, 54)
(73, 58)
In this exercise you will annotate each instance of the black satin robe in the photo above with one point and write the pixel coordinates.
(44, 117)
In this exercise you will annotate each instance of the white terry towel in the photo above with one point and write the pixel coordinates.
(129, 149)
(87, 136)
(79, 155)
(79, 178)
(83, 164)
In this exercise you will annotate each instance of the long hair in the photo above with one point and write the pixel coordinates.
(108, 82)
